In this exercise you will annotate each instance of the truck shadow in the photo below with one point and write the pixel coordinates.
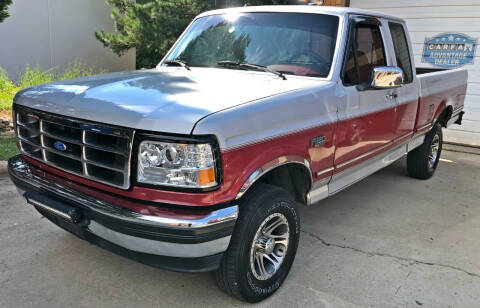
(388, 212)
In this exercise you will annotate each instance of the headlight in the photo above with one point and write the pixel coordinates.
(176, 164)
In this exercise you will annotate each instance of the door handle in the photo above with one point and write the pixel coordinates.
(391, 95)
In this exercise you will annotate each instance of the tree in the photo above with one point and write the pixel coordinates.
(150, 26)
(4, 9)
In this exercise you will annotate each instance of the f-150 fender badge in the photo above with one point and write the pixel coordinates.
(317, 142)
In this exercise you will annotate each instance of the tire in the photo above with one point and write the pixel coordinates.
(239, 273)
(422, 162)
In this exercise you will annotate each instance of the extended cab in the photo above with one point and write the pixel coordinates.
(199, 164)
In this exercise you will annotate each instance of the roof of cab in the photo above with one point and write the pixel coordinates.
(315, 9)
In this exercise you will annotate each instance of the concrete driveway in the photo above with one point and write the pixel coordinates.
(388, 241)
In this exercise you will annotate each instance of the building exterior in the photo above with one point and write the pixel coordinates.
(55, 33)
(445, 34)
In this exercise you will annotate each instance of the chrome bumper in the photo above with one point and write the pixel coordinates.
(198, 237)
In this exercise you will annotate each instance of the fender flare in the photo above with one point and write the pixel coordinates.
(271, 165)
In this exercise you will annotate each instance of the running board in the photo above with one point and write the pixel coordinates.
(340, 181)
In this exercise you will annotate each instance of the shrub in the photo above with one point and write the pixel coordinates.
(33, 76)
(7, 91)
(79, 69)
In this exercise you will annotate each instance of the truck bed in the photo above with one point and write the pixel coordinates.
(440, 89)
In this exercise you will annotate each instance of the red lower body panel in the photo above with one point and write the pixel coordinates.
(345, 140)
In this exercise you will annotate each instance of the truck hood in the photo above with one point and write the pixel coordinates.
(163, 100)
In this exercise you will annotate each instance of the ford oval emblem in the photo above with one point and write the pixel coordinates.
(60, 146)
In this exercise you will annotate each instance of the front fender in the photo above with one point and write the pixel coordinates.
(244, 166)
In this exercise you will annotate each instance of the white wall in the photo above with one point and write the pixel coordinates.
(55, 33)
(428, 18)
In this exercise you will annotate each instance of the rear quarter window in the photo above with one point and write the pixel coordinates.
(402, 53)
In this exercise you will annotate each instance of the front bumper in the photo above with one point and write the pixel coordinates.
(181, 240)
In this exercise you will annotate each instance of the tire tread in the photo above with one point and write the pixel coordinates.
(417, 160)
(250, 204)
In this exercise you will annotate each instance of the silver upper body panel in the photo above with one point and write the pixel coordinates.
(166, 99)
(239, 107)
(273, 116)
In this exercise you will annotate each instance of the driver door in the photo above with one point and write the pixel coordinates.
(366, 116)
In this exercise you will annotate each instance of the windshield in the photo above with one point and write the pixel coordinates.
(290, 43)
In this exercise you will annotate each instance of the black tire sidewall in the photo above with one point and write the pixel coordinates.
(437, 130)
(252, 289)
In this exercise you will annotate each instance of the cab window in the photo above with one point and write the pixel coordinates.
(401, 50)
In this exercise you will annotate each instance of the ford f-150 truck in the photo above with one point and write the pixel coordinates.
(199, 164)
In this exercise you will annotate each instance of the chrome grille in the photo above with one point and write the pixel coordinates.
(97, 152)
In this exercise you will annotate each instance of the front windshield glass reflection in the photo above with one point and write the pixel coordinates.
(291, 43)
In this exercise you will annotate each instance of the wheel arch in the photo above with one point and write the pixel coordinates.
(291, 173)
(443, 114)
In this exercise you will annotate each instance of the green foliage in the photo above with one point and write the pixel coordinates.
(33, 76)
(149, 26)
(152, 26)
(216, 43)
(7, 91)
(8, 147)
(78, 69)
(4, 9)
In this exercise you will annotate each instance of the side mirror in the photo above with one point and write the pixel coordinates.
(387, 77)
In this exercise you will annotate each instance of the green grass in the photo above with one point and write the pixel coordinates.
(8, 147)
(33, 76)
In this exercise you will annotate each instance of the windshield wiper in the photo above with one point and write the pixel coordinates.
(178, 62)
(227, 64)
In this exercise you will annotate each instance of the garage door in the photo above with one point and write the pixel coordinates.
(427, 19)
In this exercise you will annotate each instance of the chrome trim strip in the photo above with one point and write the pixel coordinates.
(350, 176)
(318, 192)
(20, 170)
(415, 142)
(364, 155)
(265, 168)
(401, 138)
(50, 209)
(160, 248)
(319, 173)
(213, 218)
(424, 127)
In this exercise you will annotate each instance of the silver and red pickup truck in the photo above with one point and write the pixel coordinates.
(199, 164)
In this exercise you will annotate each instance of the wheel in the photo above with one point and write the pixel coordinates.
(422, 162)
(263, 244)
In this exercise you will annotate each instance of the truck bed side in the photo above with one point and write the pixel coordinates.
(440, 91)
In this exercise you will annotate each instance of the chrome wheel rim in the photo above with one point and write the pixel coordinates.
(269, 246)
(434, 147)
